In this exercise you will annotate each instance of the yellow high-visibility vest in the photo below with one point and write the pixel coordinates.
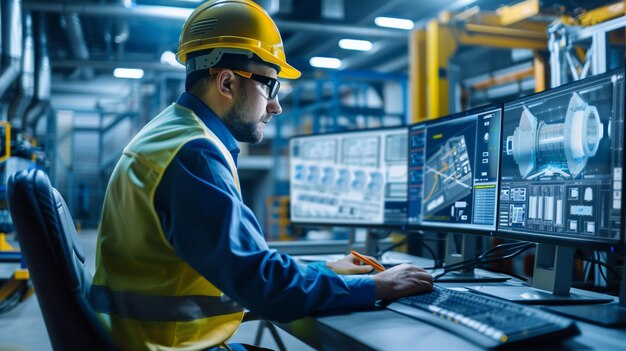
(147, 297)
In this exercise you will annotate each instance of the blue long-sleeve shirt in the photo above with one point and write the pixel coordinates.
(209, 226)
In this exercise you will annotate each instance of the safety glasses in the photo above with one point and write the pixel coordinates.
(273, 85)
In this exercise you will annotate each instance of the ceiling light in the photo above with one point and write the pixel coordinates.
(133, 73)
(325, 62)
(352, 44)
(390, 22)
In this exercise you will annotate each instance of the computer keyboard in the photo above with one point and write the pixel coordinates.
(486, 321)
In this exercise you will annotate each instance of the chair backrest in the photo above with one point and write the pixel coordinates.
(56, 262)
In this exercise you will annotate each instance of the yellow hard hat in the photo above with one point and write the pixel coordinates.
(237, 26)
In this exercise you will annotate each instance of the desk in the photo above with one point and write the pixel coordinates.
(388, 330)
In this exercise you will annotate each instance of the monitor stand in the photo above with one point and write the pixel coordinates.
(463, 250)
(610, 315)
(373, 237)
(552, 279)
(373, 241)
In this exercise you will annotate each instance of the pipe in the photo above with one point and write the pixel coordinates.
(11, 43)
(74, 31)
(25, 88)
(123, 32)
(41, 103)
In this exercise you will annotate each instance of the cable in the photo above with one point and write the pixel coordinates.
(470, 264)
(432, 253)
(597, 262)
(434, 240)
(399, 243)
(520, 277)
(592, 260)
(487, 256)
(403, 242)
(596, 255)
(495, 248)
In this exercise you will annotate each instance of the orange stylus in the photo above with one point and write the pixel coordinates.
(366, 260)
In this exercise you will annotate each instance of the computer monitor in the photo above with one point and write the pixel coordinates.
(356, 178)
(453, 182)
(561, 179)
(562, 162)
(453, 171)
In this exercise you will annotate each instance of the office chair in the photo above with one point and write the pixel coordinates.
(56, 262)
(55, 259)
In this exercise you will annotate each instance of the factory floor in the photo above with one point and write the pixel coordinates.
(23, 328)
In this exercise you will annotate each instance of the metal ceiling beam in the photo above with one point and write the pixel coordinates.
(338, 29)
(136, 11)
(181, 14)
(110, 65)
(401, 62)
(356, 61)
(300, 38)
(359, 59)
(85, 95)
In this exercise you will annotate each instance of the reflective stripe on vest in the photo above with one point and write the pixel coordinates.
(157, 308)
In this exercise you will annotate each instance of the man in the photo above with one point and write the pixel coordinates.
(179, 254)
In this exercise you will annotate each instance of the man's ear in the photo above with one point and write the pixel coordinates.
(225, 83)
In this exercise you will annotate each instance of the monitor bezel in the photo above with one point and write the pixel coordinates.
(575, 242)
(429, 226)
(390, 226)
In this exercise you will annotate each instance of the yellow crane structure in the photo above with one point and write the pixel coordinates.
(521, 26)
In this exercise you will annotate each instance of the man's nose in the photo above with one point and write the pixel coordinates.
(273, 106)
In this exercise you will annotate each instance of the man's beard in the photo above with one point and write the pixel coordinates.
(235, 120)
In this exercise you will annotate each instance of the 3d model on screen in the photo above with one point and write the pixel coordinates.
(556, 148)
(448, 175)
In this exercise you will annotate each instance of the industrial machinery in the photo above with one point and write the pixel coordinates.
(17, 287)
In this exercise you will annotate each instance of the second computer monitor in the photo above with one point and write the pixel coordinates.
(453, 170)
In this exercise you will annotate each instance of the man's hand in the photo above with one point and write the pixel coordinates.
(350, 265)
(402, 280)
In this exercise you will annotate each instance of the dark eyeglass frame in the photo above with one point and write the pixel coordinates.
(272, 83)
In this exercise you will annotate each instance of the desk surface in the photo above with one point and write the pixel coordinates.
(387, 330)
